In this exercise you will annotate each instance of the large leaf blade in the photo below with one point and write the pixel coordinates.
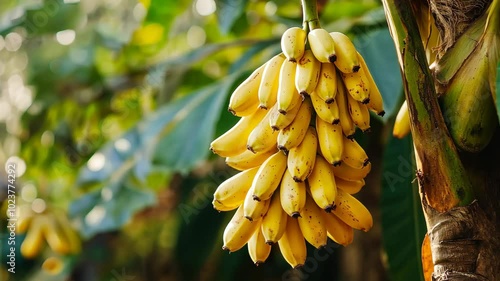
(403, 226)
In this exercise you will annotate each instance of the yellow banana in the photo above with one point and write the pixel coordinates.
(274, 221)
(301, 158)
(24, 219)
(322, 185)
(402, 124)
(327, 83)
(262, 137)
(231, 193)
(257, 248)
(312, 225)
(238, 231)
(53, 265)
(254, 210)
(322, 45)
(293, 245)
(348, 126)
(234, 141)
(330, 140)
(376, 103)
(337, 230)
(326, 111)
(292, 195)
(307, 75)
(354, 155)
(70, 234)
(248, 159)
(245, 100)
(33, 241)
(270, 81)
(347, 56)
(279, 121)
(357, 85)
(288, 97)
(359, 114)
(54, 236)
(293, 134)
(352, 212)
(293, 43)
(268, 176)
(351, 187)
(349, 173)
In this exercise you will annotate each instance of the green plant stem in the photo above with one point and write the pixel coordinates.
(442, 176)
(310, 15)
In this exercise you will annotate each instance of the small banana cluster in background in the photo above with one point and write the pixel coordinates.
(50, 226)
(294, 147)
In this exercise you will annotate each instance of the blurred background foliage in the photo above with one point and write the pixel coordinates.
(107, 108)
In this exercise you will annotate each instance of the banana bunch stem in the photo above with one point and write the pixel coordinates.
(310, 14)
(442, 176)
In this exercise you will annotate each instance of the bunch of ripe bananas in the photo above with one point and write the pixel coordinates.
(51, 226)
(295, 149)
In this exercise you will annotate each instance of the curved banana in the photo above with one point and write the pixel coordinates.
(354, 155)
(254, 210)
(359, 114)
(322, 185)
(279, 121)
(70, 234)
(257, 248)
(352, 212)
(231, 193)
(326, 111)
(274, 221)
(234, 141)
(322, 45)
(238, 231)
(245, 99)
(337, 230)
(248, 159)
(402, 123)
(293, 134)
(327, 83)
(292, 195)
(53, 265)
(312, 224)
(55, 237)
(262, 137)
(348, 126)
(376, 103)
(33, 241)
(347, 56)
(293, 43)
(357, 85)
(268, 176)
(288, 97)
(349, 173)
(301, 158)
(270, 80)
(330, 138)
(293, 245)
(351, 187)
(307, 76)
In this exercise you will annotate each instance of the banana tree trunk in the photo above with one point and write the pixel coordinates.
(460, 192)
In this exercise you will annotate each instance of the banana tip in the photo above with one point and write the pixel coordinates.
(256, 198)
(270, 243)
(232, 111)
(329, 208)
(381, 113)
(296, 179)
(366, 162)
(282, 111)
(329, 100)
(332, 58)
(365, 101)
(298, 266)
(251, 149)
(336, 121)
(296, 215)
(263, 107)
(249, 218)
(355, 68)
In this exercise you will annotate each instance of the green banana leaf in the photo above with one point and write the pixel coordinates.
(403, 225)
